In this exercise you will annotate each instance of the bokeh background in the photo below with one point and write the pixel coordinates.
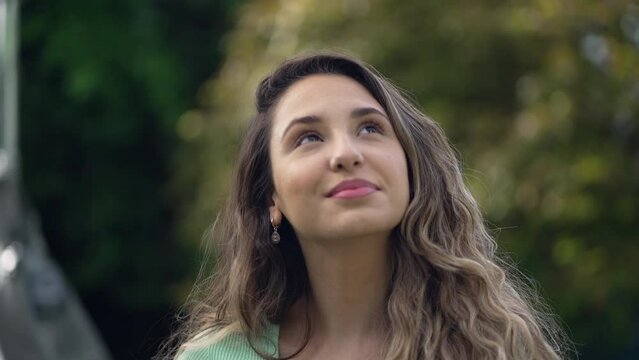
(131, 111)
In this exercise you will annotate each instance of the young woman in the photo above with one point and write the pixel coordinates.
(349, 234)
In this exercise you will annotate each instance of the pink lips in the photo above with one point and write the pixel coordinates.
(351, 189)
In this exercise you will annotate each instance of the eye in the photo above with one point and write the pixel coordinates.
(371, 128)
(308, 137)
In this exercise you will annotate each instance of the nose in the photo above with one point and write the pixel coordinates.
(346, 155)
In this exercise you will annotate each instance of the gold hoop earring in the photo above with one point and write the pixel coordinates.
(275, 236)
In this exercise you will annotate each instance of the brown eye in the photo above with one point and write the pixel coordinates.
(307, 138)
(370, 128)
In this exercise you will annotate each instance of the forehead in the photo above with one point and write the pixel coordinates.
(319, 94)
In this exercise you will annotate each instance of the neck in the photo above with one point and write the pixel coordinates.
(349, 284)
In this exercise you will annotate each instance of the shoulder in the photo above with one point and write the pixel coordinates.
(232, 346)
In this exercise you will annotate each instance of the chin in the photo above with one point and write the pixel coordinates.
(371, 227)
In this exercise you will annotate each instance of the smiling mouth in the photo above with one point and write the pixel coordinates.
(353, 193)
(352, 189)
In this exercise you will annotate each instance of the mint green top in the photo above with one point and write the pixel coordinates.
(236, 347)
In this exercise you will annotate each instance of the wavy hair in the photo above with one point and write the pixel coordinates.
(450, 296)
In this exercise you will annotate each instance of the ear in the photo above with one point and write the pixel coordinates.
(274, 211)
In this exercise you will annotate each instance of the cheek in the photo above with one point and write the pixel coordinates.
(295, 181)
(400, 172)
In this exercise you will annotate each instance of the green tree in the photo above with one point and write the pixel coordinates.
(540, 98)
(102, 85)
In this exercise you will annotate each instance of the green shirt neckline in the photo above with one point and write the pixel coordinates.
(236, 346)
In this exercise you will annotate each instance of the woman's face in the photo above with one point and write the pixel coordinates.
(338, 168)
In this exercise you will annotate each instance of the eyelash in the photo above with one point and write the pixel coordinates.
(370, 123)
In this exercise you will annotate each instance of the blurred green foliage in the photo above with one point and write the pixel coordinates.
(541, 98)
(102, 84)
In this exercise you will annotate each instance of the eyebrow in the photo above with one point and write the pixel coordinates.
(312, 119)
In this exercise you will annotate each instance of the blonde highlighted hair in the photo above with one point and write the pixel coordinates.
(450, 295)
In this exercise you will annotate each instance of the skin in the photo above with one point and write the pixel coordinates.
(343, 134)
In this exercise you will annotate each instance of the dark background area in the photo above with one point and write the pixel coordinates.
(102, 84)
